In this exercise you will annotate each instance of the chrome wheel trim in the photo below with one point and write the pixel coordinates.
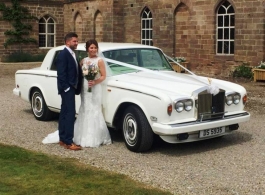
(37, 104)
(130, 130)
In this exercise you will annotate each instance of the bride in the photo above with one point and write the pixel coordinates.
(90, 129)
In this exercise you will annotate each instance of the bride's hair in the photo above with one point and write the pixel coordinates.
(90, 42)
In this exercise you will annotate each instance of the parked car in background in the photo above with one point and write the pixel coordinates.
(143, 96)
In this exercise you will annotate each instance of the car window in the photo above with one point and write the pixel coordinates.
(53, 66)
(79, 53)
(152, 59)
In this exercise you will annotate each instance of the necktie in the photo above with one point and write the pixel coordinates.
(73, 54)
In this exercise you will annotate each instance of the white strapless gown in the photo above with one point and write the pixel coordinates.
(90, 129)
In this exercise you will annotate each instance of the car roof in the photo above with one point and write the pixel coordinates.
(106, 46)
(103, 46)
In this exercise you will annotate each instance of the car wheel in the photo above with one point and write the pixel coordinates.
(137, 133)
(39, 107)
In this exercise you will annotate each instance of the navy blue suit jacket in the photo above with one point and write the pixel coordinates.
(67, 75)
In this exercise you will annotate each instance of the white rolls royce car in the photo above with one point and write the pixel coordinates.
(144, 96)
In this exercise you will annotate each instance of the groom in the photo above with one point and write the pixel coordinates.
(69, 81)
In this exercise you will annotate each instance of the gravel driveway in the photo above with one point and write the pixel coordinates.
(233, 164)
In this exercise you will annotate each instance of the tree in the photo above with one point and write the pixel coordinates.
(15, 15)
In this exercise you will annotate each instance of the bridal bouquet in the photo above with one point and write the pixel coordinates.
(89, 72)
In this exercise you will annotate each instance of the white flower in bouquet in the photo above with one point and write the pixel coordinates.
(85, 71)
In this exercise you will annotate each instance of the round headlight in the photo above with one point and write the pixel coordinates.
(188, 105)
(229, 100)
(179, 106)
(236, 98)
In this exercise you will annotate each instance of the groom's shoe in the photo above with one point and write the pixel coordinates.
(73, 147)
(62, 143)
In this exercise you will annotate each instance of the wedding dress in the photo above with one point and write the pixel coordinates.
(90, 129)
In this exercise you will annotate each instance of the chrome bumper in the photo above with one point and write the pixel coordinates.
(174, 129)
(17, 92)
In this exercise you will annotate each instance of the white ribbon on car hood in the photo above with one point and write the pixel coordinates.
(213, 89)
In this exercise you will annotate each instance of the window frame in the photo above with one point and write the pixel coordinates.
(147, 27)
(47, 34)
(230, 28)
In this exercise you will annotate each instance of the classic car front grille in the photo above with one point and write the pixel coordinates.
(210, 107)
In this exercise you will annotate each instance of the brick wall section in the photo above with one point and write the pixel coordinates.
(163, 28)
(132, 22)
(200, 40)
(194, 39)
(38, 9)
(99, 27)
(104, 16)
(249, 36)
(182, 32)
(250, 30)
(118, 22)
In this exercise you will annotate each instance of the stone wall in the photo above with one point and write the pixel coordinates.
(38, 9)
(187, 28)
(180, 27)
(101, 19)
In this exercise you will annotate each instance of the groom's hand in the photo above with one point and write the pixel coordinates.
(67, 89)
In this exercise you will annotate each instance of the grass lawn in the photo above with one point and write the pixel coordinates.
(25, 172)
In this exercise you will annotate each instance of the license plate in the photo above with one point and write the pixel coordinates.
(212, 132)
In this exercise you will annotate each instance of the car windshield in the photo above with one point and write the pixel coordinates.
(152, 59)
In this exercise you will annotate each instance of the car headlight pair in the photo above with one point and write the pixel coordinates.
(233, 98)
(181, 105)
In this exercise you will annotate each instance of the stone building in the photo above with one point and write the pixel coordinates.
(213, 35)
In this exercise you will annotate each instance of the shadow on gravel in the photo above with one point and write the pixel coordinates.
(55, 116)
(116, 136)
(185, 149)
(28, 111)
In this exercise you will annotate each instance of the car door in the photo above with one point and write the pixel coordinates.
(52, 98)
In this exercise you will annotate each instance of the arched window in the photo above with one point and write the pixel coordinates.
(46, 32)
(147, 28)
(225, 29)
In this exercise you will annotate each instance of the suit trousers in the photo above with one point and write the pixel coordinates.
(67, 116)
